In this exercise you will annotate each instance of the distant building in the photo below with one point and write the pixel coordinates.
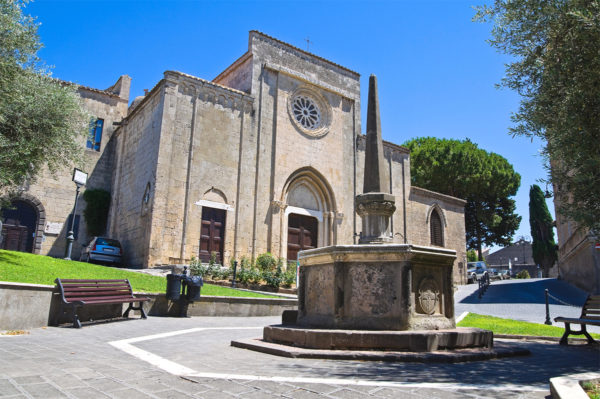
(517, 256)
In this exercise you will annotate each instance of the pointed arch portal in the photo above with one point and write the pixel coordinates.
(308, 221)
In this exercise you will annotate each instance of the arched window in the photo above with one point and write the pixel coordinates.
(435, 229)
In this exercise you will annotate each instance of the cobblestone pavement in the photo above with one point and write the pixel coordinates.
(192, 358)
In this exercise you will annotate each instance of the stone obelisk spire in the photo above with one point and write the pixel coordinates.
(374, 181)
(374, 206)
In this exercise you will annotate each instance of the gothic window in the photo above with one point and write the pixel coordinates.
(95, 136)
(435, 229)
(306, 112)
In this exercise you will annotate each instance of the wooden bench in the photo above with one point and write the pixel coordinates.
(78, 293)
(590, 314)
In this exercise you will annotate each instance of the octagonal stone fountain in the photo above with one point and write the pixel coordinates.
(375, 296)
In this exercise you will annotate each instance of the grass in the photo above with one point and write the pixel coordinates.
(21, 267)
(592, 388)
(513, 327)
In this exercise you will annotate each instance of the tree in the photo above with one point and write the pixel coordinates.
(556, 70)
(471, 255)
(543, 246)
(42, 121)
(485, 180)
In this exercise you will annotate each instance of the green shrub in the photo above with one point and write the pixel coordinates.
(213, 270)
(472, 255)
(225, 273)
(213, 258)
(97, 202)
(289, 277)
(254, 276)
(266, 262)
(523, 274)
(272, 279)
(243, 276)
(246, 263)
(197, 268)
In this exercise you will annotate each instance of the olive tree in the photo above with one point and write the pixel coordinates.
(41, 119)
(555, 69)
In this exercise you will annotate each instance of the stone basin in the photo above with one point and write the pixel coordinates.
(376, 287)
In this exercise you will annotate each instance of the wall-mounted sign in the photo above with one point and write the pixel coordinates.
(53, 228)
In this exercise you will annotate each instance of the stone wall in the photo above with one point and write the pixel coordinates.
(578, 260)
(290, 156)
(56, 194)
(239, 75)
(421, 203)
(135, 177)
(212, 118)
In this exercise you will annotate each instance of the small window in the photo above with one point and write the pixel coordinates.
(95, 136)
(435, 228)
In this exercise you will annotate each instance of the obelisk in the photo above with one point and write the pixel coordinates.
(375, 206)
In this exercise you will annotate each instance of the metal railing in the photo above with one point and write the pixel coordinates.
(484, 283)
(547, 295)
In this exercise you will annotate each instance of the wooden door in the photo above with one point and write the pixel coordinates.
(14, 238)
(18, 227)
(302, 234)
(212, 233)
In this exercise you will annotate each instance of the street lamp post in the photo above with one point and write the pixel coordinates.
(80, 179)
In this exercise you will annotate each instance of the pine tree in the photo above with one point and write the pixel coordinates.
(544, 248)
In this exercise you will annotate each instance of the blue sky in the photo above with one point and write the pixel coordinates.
(435, 71)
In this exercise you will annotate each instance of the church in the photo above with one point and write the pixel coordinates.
(266, 157)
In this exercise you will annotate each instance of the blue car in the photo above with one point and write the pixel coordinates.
(104, 251)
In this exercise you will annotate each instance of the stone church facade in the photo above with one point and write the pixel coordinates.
(266, 157)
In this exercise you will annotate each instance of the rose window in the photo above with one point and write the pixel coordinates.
(306, 112)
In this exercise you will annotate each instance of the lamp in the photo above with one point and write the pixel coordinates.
(80, 179)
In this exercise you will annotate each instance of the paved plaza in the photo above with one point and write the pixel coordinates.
(165, 357)
(192, 358)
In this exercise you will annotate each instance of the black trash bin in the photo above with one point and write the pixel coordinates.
(174, 286)
(193, 285)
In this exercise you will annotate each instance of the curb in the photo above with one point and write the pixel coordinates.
(568, 386)
(540, 338)
(500, 351)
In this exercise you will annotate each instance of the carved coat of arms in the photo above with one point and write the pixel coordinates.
(428, 295)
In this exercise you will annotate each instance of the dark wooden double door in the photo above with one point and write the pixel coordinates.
(212, 234)
(302, 234)
(18, 227)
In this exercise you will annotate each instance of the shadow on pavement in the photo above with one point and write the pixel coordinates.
(546, 361)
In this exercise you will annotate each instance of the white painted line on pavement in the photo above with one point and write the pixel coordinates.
(155, 360)
(176, 369)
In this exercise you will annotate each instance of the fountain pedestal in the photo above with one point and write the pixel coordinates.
(376, 287)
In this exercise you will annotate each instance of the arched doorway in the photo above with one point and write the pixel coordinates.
(19, 225)
(303, 233)
(212, 229)
(309, 217)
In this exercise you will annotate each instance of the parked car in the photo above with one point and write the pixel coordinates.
(476, 271)
(103, 250)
